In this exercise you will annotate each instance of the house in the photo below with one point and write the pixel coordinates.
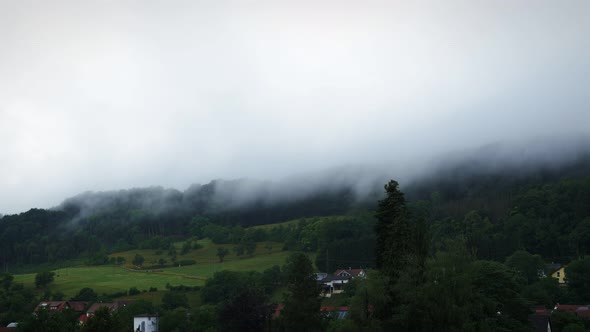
(354, 273)
(52, 306)
(145, 323)
(335, 284)
(58, 306)
(559, 274)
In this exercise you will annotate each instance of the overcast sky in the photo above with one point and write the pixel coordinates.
(101, 95)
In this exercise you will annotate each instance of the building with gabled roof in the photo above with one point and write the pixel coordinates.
(52, 306)
(334, 284)
(354, 273)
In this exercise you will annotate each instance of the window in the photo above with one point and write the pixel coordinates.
(558, 274)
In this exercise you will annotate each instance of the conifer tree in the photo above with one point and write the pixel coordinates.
(394, 233)
(302, 302)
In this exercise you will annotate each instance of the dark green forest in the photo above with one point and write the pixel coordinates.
(542, 211)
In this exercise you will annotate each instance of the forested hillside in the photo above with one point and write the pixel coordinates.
(542, 210)
(93, 224)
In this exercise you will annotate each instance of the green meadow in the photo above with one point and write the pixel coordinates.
(109, 279)
(113, 278)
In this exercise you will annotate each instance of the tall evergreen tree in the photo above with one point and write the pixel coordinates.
(247, 312)
(302, 302)
(394, 233)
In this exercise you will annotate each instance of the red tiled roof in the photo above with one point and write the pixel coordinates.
(47, 305)
(571, 307)
(332, 308)
(83, 318)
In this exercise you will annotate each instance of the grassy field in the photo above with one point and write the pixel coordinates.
(111, 279)
(107, 279)
(259, 262)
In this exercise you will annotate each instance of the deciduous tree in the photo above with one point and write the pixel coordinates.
(44, 278)
(221, 253)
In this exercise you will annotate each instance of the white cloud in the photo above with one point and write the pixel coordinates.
(106, 95)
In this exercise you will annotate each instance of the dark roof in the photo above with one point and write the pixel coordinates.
(333, 278)
(352, 272)
(111, 306)
(553, 267)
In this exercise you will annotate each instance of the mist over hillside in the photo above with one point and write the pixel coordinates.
(547, 158)
(493, 167)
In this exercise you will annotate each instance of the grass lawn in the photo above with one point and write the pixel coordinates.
(111, 279)
(259, 262)
(107, 279)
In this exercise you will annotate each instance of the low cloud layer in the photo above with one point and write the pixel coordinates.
(109, 95)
